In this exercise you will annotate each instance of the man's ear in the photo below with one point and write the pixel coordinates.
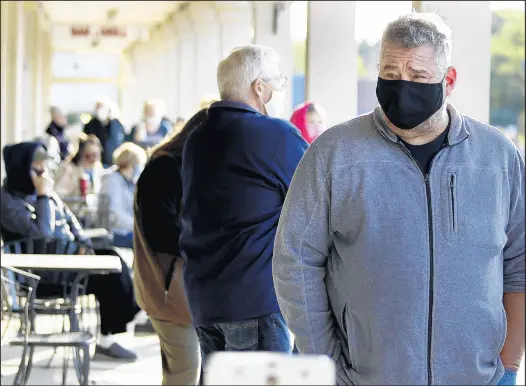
(451, 80)
(257, 87)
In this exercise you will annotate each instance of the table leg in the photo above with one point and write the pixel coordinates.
(74, 324)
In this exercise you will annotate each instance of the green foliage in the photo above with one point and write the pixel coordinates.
(507, 67)
(299, 56)
(362, 71)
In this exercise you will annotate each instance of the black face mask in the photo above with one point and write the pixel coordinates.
(408, 104)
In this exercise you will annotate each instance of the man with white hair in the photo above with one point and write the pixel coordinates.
(400, 248)
(236, 171)
(152, 128)
(56, 129)
(106, 126)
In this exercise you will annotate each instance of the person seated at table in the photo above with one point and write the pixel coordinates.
(152, 128)
(119, 186)
(30, 208)
(85, 163)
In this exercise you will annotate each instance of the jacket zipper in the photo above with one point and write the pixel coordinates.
(453, 211)
(431, 255)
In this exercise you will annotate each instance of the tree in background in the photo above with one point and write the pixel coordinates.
(507, 69)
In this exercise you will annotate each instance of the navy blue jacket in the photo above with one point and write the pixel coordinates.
(236, 170)
(111, 136)
(58, 132)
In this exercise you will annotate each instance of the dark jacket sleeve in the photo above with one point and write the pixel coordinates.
(160, 205)
(166, 127)
(288, 153)
(17, 218)
(88, 128)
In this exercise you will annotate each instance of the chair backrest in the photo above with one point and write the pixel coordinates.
(10, 281)
(92, 211)
(48, 246)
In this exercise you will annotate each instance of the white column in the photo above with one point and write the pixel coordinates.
(5, 25)
(331, 78)
(278, 38)
(236, 25)
(128, 89)
(47, 57)
(169, 76)
(187, 71)
(207, 37)
(174, 69)
(18, 121)
(470, 22)
(37, 75)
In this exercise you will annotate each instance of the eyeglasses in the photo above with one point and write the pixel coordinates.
(91, 156)
(281, 80)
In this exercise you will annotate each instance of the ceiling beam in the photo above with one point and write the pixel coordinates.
(86, 80)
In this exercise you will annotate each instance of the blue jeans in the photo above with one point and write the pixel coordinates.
(267, 333)
(509, 378)
(123, 241)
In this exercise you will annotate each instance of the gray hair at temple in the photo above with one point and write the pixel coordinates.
(55, 110)
(421, 29)
(237, 72)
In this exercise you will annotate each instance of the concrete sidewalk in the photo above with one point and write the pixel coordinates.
(104, 371)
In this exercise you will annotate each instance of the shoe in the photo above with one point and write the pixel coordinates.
(117, 351)
(145, 327)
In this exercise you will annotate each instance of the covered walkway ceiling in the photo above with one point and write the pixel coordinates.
(108, 26)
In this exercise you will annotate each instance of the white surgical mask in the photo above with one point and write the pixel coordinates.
(276, 104)
(154, 121)
(102, 114)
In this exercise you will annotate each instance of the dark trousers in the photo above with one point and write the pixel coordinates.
(267, 333)
(114, 293)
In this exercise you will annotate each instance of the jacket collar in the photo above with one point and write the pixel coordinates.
(227, 104)
(457, 130)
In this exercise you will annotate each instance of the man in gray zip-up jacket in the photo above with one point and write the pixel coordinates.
(403, 230)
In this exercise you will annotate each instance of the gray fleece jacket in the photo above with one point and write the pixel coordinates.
(398, 276)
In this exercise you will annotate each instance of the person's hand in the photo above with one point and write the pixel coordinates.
(82, 251)
(43, 183)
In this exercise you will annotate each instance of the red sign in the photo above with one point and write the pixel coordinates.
(112, 31)
(80, 31)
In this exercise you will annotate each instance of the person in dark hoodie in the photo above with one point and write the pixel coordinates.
(107, 128)
(158, 266)
(56, 129)
(31, 209)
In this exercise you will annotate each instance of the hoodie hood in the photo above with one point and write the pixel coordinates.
(299, 119)
(18, 159)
